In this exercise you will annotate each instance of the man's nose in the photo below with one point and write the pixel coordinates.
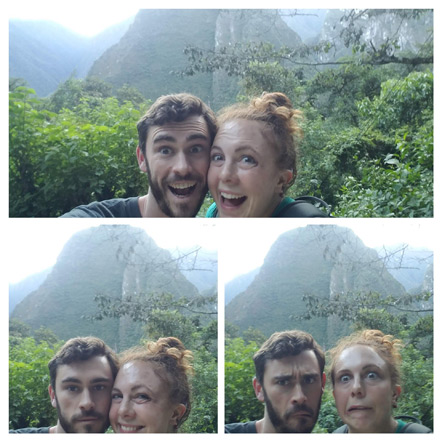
(86, 402)
(298, 394)
(181, 165)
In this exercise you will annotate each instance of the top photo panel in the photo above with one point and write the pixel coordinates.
(220, 113)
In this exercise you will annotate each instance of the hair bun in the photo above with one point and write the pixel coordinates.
(276, 99)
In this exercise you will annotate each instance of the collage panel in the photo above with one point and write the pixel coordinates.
(118, 321)
(329, 327)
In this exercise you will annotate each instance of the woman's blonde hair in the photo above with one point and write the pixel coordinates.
(171, 362)
(274, 109)
(386, 346)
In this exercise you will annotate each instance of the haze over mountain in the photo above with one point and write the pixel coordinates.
(112, 260)
(147, 51)
(322, 260)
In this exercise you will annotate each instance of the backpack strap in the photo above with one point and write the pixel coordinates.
(305, 207)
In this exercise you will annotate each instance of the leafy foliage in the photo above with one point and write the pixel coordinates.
(29, 404)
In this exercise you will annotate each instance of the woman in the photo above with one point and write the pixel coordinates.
(253, 160)
(365, 374)
(151, 393)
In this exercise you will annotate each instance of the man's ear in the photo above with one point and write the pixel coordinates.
(52, 396)
(324, 378)
(259, 392)
(141, 160)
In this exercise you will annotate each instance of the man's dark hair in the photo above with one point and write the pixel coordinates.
(284, 344)
(174, 109)
(81, 349)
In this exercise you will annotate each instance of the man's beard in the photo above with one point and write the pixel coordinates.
(280, 422)
(164, 205)
(68, 425)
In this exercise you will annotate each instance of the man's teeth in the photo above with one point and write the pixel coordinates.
(183, 185)
(231, 197)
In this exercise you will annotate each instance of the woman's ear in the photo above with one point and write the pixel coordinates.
(396, 393)
(178, 413)
(285, 176)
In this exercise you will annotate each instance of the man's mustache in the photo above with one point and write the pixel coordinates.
(86, 414)
(299, 408)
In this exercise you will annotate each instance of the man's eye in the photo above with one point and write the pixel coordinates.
(99, 387)
(309, 380)
(196, 149)
(283, 382)
(165, 150)
(72, 388)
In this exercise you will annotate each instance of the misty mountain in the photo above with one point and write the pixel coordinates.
(239, 284)
(45, 53)
(19, 290)
(320, 260)
(112, 260)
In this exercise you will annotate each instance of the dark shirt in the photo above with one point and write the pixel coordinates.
(31, 430)
(241, 427)
(402, 427)
(114, 208)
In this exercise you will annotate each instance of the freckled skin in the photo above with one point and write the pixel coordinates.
(363, 391)
(243, 164)
(141, 401)
(177, 154)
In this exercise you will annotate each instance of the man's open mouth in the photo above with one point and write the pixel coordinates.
(231, 200)
(182, 189)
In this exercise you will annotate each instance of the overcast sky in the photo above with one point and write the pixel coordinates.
(89, 17)
(33, 245)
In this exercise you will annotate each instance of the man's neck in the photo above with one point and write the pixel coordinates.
(57, 429)
(264, 426)
(149, 207)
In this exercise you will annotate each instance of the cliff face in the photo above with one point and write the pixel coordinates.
(315, 260)
(116, 261)
(152, 50)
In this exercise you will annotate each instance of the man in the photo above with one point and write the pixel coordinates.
(82, 374)
(174, 140)
(290, 381)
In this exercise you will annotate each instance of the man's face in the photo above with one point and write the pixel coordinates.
(82, 395)
(292, 392)
(176, 161)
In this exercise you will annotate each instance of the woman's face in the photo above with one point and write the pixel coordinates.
(141, 403)
(243, 177)
(363, 391)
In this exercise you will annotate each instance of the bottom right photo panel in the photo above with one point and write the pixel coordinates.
(328, 327)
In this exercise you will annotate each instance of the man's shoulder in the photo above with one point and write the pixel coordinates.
(30, 430)
(113, 208)
(241, 427)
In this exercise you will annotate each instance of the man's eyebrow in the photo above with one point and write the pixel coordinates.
(163, 137)
(72, 380)
(196, 137)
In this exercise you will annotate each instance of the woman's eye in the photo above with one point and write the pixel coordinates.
(216, 157)
(283, 382)
(165, 150)
(372, 375)
(344, 378)
(117, 397)
(246, 159)
(142, 398)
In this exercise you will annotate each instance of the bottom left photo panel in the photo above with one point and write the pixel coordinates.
(113, 328)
